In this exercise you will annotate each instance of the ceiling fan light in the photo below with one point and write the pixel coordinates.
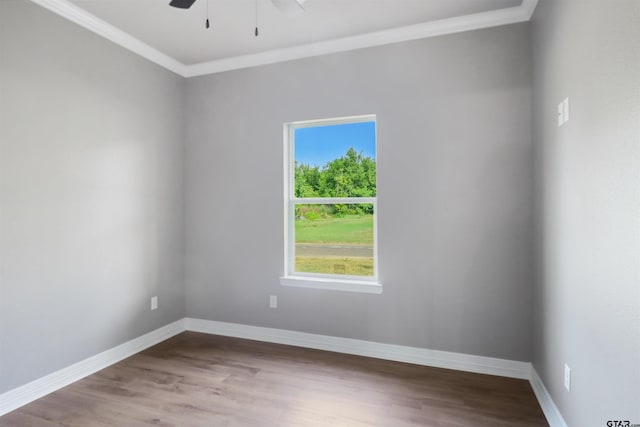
(182, 4)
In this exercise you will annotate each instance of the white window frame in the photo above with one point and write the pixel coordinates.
(340, 282)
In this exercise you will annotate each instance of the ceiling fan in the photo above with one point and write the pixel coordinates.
(288, 7)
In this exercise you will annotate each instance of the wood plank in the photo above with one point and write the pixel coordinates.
(206, 380)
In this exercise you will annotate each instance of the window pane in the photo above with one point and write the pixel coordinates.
(335, 160)
(334, 239)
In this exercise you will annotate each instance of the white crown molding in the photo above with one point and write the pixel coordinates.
(529, 6)
(13, 399)
(551, 411)
(92, 23)
(398, 353)
(441, 27)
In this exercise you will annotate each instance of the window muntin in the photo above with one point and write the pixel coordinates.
(331, 199)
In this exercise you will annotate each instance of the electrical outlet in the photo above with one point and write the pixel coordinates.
(567, 377)
(273, 301)
(154, 303)
(563, 111)
(560, 114)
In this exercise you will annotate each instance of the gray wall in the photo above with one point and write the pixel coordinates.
(587, 291)
(455, 192)
(90, 194)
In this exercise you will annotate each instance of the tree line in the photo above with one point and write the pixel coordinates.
(352, 175)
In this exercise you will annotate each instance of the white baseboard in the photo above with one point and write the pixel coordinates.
(551, 411)
(13, 399)
(398, 353)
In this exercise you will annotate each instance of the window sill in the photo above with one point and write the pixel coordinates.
(346, 285)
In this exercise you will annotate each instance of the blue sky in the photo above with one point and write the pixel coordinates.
(318, 145)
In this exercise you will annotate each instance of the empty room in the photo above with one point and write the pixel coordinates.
(294, 213)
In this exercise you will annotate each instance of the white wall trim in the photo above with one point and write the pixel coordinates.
(398, 353)
(13, 399)
(441, 27)
(92, 23)
(342, 285)
(551, 411)
(529, 6)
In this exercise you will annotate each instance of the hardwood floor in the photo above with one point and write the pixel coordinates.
(206, 380)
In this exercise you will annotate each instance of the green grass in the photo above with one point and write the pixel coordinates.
(334, 265)
(351, 229)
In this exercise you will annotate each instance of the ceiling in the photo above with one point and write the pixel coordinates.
(178, 39)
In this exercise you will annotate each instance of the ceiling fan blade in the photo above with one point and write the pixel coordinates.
(182, 4)
(290, 8)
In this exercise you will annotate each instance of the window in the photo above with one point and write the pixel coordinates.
(330, 204)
